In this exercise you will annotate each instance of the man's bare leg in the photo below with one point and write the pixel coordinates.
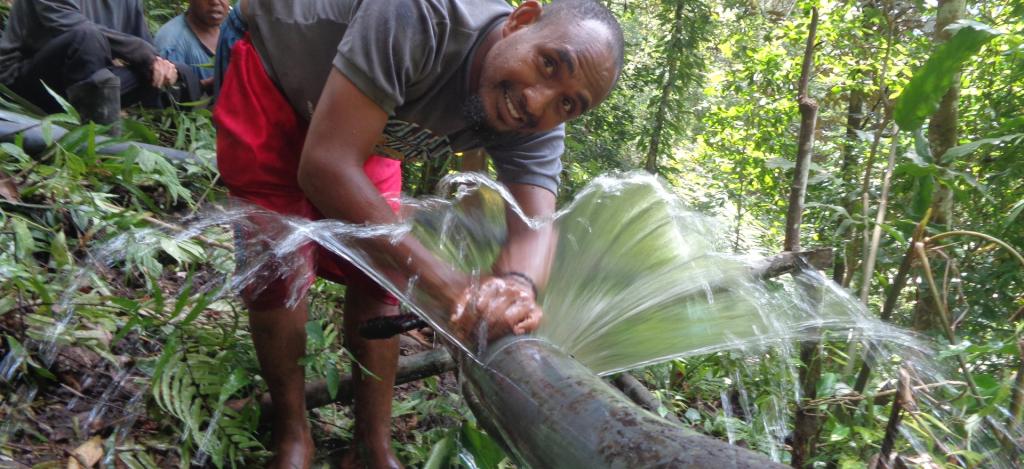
(279, 335)
(371, 445)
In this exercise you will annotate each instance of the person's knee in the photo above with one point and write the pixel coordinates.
(364, 301)
(88, 39)
(271, 297)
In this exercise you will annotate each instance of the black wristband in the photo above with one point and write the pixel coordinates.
(525, 278)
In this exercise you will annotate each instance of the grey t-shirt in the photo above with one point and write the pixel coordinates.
(412, 58)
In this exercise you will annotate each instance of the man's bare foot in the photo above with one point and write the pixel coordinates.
(293, 451)
(360, 458)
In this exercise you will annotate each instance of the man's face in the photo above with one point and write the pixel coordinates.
(209, 12)
(539, 76)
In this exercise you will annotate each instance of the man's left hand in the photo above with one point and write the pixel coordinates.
(505, 304)
(164, 73)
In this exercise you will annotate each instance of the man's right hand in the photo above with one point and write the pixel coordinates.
(505, 305)
(164, 73)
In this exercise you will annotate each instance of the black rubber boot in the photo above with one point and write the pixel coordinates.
(97, 98)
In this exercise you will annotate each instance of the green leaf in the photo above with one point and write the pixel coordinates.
(920, 98)
(23, 103)
(936, 422)
(201, 302)
(922, 148)
(839, 433)
(827, 384)
(851, 462)
(59, 250)
(916, 170)
(986, 383)
(969, 179)
(333, 378)
(126, 329)
(67, 107)
(896, 234)
(924, 191)
(780, 163)
(15, 347)
(315, 331)
(24, 244)
(441, 454)
(486, 453)
(961, 151)
(138, 131)
(183, 296)
(238, 379)
(15, 151)
(1014, 213)
(955, 350)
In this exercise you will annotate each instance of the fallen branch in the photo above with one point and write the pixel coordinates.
(638, 393)
(904, 400)
(880, 397)
(1017, 401)
(410, 368)
(179, 229)
(786, 262)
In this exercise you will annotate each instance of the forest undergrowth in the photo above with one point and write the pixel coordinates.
(129, 352)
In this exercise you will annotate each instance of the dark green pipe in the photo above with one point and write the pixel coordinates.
(552, 412)
(13, 124)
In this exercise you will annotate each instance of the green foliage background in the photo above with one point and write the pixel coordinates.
(727, 148)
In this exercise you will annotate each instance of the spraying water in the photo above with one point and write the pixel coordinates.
(636, 279)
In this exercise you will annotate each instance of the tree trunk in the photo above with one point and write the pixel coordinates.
(667, 85)
(805, 147)
(807, 424)
(854, 123)
(942, 135)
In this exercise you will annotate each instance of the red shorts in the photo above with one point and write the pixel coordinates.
(259, 142)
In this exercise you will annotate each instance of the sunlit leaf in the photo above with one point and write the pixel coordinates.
(839, 433)
(1014, 213)
(238, 379)
(920, 98)
(961, 151)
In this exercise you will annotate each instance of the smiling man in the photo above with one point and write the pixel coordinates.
(320, 102)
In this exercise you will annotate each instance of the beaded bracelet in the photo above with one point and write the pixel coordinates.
(525, 278)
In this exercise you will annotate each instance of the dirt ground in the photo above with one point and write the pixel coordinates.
(46, 426)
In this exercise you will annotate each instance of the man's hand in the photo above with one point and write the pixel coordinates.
(505, 304)
(164, 73)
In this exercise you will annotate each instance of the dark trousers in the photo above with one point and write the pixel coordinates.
(73, 57)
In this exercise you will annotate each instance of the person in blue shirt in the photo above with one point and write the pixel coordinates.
(191, 37)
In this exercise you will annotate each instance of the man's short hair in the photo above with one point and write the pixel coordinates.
(583, 10)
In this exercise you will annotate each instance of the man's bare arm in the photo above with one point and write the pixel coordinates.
(507, 302)
(529, 251)
(345, 126)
